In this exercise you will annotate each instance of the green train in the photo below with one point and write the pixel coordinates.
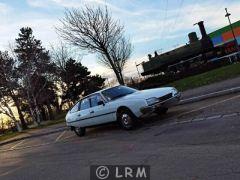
(215, 44)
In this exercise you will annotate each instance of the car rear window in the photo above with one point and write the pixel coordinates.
(85, 104)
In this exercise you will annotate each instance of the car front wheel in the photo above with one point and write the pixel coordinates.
(161, 111)
(127, 119)
(80, 131)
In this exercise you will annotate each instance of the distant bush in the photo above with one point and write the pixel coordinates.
(164, 79)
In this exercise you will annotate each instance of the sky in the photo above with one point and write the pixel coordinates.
(156, 25)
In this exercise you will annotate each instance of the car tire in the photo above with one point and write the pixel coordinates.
(161, 111)
(80, 131)
(127, 119)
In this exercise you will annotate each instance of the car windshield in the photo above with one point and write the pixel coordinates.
(117, 92)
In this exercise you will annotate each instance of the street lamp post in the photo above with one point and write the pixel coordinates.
(108, 82)
(138, 70)
(230, 23)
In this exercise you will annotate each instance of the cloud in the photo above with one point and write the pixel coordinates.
(38, 3)
(146, 39)
(129, 71)
(179, 22)
(43, 29)
(146, 23)
(157, 30)
(77, 4)
(54, 3)
(4, 8)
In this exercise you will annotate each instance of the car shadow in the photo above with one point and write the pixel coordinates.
(144, 124)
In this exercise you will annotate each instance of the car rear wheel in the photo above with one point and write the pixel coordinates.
(80, 131)
(161, 111)
(127, 119)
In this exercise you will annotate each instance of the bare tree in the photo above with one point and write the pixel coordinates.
(61, 53)
(9, 94)
(94, 30)
(120, 53)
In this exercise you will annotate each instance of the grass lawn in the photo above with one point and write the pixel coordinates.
(59, 119)
(49, 123)
(209, 77)
(8, 135)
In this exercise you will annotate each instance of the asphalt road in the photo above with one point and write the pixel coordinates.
(193, 141)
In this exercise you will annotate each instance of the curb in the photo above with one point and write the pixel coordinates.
(210, 95)
(32, 136)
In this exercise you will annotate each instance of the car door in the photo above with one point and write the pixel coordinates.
(84, 113)
(72, 116)
(100, 112)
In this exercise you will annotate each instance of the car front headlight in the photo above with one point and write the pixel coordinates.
(152, 100)
(174, 91)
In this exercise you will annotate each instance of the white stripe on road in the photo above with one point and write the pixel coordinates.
(212, 94)
(17, 144)
(61, 135)
(198, 109)
(70, 136)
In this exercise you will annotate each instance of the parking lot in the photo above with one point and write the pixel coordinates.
(193, 141)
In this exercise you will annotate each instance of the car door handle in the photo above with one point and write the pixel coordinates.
(79, 114)
(91, 112)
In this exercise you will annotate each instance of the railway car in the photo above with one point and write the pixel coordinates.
(197, 51)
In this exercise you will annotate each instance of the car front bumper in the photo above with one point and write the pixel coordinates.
(162, 104)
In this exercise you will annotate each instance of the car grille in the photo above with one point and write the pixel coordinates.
(165, 97)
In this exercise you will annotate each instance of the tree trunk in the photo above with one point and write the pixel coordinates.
(120, 80)
(38, 113)
(32, 113)
(50, 112)
(59, 108)
(118, 76)
(44, 114)
(21, 117)
(121, 76)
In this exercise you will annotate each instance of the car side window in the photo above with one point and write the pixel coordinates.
(75, 108)
(85, 104)
(95, 99)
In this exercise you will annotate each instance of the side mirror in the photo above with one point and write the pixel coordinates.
(101, 103)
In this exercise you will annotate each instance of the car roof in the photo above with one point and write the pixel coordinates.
(106, 89)
(99, 91)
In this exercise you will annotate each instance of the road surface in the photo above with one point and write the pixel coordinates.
(193, 141)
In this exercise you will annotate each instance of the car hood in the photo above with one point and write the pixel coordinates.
(145, 94)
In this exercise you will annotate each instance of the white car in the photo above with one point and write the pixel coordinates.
(123, 104)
